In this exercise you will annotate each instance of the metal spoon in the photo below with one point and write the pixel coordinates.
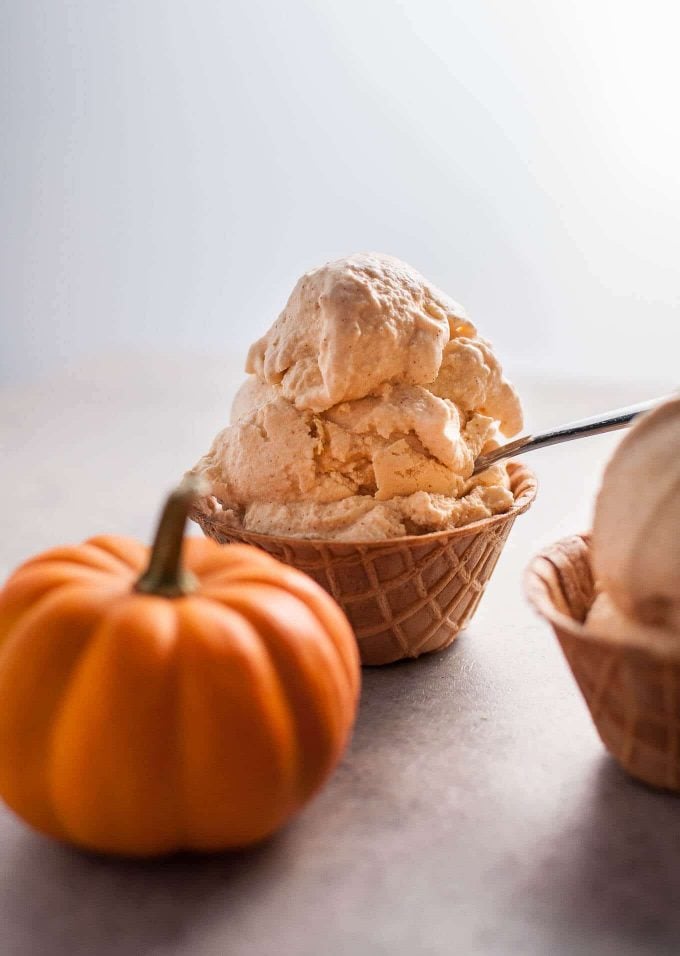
(607, 422)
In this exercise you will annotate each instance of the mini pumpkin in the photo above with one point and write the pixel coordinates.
(196, 704)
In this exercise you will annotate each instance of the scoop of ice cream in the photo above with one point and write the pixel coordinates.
(370, 398)
(252, 394)
(471, 376)
(607, 620)
(396, 443)
(362, 518)
(636, 528)
(353, 325)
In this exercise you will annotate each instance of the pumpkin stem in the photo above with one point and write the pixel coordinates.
(165, 574)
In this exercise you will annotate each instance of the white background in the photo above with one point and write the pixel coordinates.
(169, 167)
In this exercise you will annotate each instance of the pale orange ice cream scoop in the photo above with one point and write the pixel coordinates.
(636, 528)
(353, 325)
(368, 401)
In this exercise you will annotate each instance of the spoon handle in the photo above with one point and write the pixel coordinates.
(607, 422)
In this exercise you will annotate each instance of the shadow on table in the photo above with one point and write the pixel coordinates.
(614, 871)
(55, 900)
(392, 693)
(60, 901)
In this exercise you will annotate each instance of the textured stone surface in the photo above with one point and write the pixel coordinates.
(476, 811)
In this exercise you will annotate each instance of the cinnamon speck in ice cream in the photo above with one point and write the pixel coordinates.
(367, 403)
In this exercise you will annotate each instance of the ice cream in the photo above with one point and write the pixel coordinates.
(636, 534)
(607, 620)
(367, 402)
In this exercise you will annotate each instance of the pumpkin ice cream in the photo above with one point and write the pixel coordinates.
(367, 402)
(636, 557)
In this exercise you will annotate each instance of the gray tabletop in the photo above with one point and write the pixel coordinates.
(475, 811)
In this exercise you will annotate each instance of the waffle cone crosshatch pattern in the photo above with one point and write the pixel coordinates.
(632, 691)
(407, 596)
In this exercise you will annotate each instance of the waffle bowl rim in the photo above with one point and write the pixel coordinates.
(538, 596)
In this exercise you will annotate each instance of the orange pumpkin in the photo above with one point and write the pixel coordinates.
(183, 709)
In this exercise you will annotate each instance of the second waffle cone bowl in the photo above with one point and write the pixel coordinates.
(405, 596)
(632, 690)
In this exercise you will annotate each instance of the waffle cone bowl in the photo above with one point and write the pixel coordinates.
(405, 596)
(632, 690)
